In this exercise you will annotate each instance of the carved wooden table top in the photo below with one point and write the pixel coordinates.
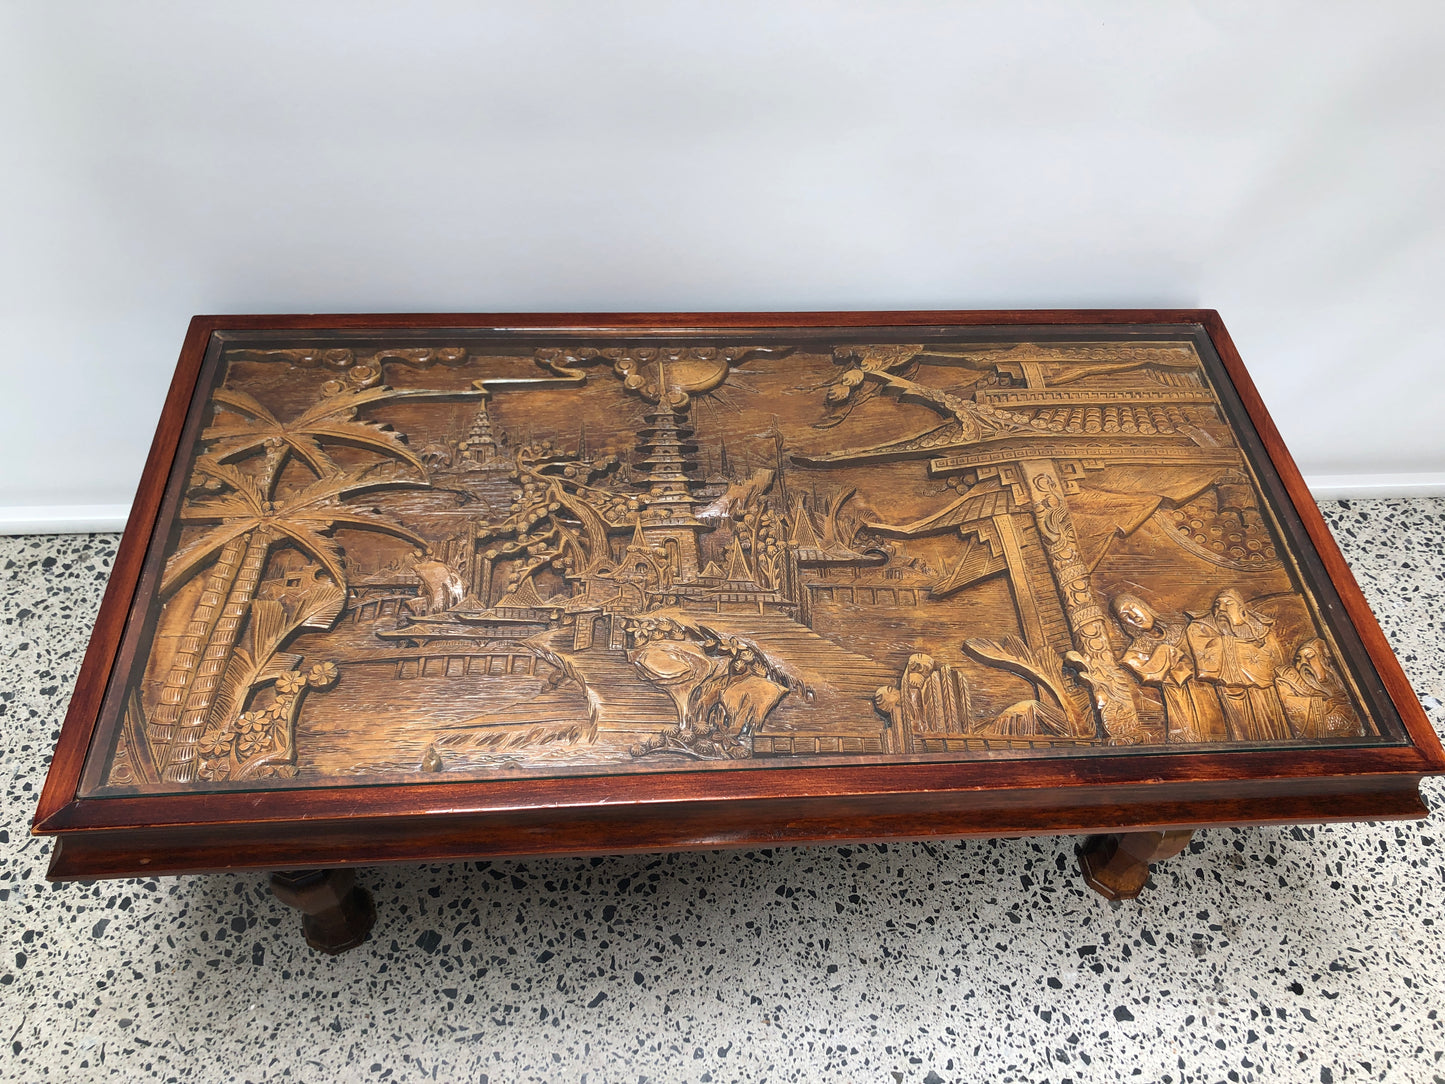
(422, 587)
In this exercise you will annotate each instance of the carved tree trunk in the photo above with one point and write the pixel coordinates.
(180, 762)
(219, 580)
(1112, 690)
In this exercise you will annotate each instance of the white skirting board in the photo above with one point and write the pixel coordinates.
(92, 518)
(1335, 487)
(62, 518)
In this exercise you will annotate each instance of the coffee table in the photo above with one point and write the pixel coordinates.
(420, 588)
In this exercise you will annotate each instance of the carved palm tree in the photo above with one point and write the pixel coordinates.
(246, 524)
(248, 520)
(251, 428)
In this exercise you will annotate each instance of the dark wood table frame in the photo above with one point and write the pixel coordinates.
(1139, 808)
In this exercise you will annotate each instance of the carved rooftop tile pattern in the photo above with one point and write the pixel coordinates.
(522, 556)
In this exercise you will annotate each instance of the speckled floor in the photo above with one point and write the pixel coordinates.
(1297, 954)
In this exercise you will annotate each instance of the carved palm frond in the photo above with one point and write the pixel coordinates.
(236, 513)
(832, 525)
(1029, 718)
(243, 485)
(240, 676)
(307, 529)
(334, 418)
(331, 420)
(372, 436)
(250, 425)
(224, 509)
(349, 399)
(136, 733)
(320, 607)
(1040, 667)
(305, 517)
(270, 626)
(569, 672)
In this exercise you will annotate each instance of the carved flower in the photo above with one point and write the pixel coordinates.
(214, 770)
(255, 729)
(217, 744)
(252, 723)
(289, 684)
(322, 675)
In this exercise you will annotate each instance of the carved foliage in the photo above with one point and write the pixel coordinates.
(1065, 717)
(261, 741)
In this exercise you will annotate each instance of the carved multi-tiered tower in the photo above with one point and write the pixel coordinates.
(481, 442)
(667, 458)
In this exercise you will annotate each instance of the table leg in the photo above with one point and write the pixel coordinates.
(336, 914)
(1116, 866)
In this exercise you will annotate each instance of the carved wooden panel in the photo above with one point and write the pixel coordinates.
(477, 555)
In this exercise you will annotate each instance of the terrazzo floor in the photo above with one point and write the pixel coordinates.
(1292, 954)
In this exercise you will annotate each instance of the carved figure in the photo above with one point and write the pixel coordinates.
(889, 702)
(930, 698)
(1236, 650)
(1315, 699)
(1159, 656)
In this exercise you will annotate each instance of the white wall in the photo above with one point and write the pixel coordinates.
(1281, 162)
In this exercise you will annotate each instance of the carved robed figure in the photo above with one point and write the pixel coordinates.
(1159, 656)
(1314, 697)
(1236, 650)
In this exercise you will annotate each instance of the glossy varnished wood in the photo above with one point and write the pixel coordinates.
(646, 826)
(1117, 865)
(336, 826)
(125, 574)
(338, 913)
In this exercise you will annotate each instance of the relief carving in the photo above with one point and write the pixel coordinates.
(1223, 677)
(1315, 699)
(1159, 656)
(530, 556)
(722, 687)
(929, 701)
(1236, 650)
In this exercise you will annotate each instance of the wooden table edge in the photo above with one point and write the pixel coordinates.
(427, 838)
